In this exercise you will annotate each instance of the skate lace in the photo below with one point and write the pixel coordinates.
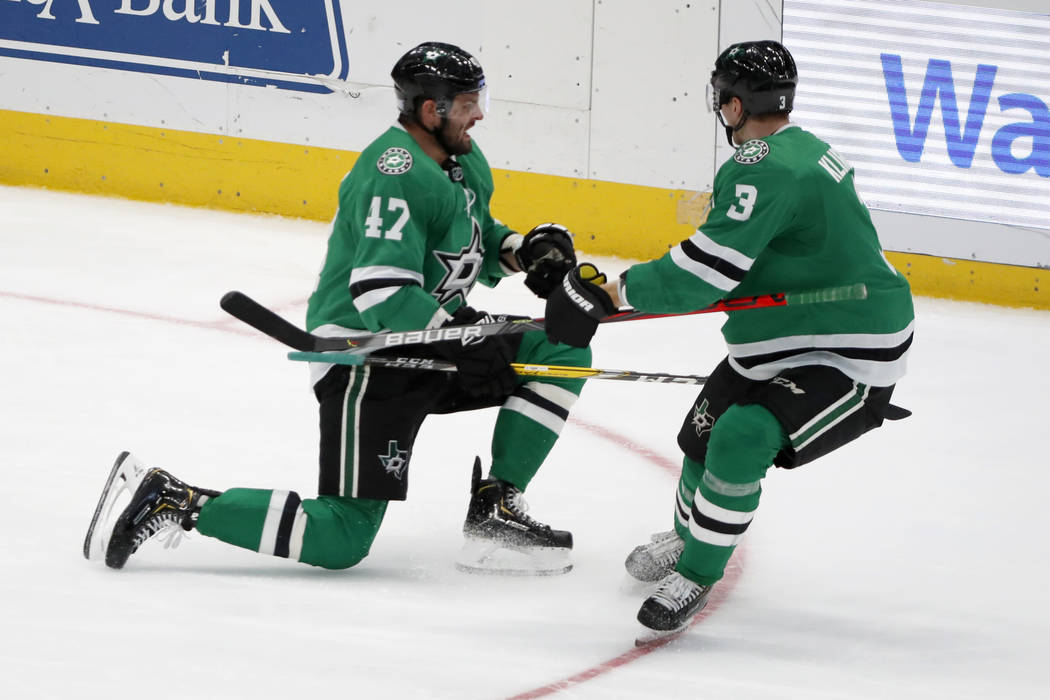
(514, 501)
(676, 592)
(167, 523)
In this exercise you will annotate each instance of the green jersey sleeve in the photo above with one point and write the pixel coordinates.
(750, 206)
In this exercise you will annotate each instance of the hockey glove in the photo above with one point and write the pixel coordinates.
(482, 364)
(576, 306)
(545, 255)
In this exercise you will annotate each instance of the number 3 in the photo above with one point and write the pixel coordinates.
(741, 209)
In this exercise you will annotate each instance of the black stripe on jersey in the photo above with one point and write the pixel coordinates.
(546, 404)
(719, 265)
(872, 354)
(284, 529)
(359, 288)
(717, 525)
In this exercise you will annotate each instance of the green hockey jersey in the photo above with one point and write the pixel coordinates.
(406, 239)
(785, 217)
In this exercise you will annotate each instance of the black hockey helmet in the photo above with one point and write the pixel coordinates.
(435, 71)
(761, 73)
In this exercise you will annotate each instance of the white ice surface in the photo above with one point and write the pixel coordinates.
(911, 564)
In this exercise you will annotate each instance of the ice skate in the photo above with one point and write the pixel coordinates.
(161, 502)
(671, 608)
(656, 560)
(123, 480)
(500, 538)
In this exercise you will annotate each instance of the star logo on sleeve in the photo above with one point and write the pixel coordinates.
(461, 269)
(395, 461)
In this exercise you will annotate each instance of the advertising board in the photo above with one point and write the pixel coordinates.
(941, 108)
(289, 45)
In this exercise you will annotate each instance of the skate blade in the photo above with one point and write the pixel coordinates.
(481, 556)
(649, 637)
(125, 477)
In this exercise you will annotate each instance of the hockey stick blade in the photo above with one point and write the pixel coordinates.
(244, 308)
(527, 370)
(257, 316)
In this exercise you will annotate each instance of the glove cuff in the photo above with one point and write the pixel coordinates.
(511, 243)
(621, 288)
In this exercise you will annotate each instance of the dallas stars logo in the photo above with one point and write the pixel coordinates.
(751, 152)
(788, 384)
(394, 161)
(395, 461)
(461, 269)
(702, 420)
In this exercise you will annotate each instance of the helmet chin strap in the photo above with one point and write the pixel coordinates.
(730, 130)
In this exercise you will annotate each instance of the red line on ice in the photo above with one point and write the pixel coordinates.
(719, 594)
(669, 466)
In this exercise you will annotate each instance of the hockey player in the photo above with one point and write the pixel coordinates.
(798, 382)
(412, 235)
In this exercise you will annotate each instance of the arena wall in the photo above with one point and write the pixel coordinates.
(597, 116)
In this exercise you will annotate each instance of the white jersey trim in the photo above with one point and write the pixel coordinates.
(871, 341)
(376, 296)
(381, 272)
(686, 263)
(851, 395)
(731, 255)
(871, 372)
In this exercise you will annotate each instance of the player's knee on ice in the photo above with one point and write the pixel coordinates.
(340, 531)
(329, 531)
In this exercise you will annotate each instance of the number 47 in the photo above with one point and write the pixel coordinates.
(374, 222)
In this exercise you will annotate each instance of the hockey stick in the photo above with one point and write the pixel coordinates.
(528, 370)
(257, 316)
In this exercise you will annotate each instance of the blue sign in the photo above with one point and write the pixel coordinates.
(943, 109)
(289, 44)
(961, 138)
